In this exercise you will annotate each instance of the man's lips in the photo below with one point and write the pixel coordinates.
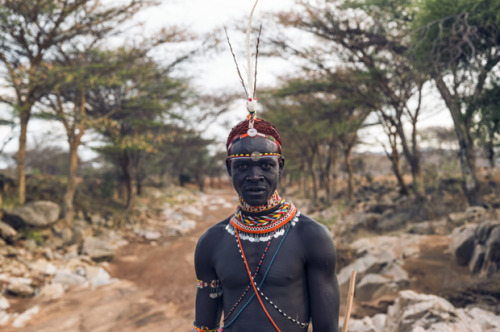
(255, 189)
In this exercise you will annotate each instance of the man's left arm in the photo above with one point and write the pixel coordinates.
(323, 288)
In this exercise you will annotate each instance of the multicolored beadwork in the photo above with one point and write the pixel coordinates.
(264, 224)
(272, 202)
(255, 156)
(197, 328)
(254, 134)
(249, 285)
(215, 287)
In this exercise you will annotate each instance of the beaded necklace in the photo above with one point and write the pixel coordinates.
(272, 202)
(261, 229)
(265, 227)
(250, 284)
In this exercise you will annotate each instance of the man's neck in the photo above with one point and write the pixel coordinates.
(273, 203)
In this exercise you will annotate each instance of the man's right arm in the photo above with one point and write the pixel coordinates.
(209, 293)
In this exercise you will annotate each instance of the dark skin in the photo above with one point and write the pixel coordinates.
(301, 280)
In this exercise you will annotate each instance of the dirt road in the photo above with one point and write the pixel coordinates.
(154, 291)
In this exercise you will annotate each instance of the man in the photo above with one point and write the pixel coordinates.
(267, 267)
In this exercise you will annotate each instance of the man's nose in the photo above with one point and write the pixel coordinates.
(254, 174)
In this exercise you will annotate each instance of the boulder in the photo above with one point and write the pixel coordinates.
(4, 303)
(462, 243)
(5, 318)
(52, 291)
(372, 286)
(477, 261)
(7, 232)
(39, 214)
(475, 214)
(477, 246)
(492, 255)
(413, 312)
(97, 276)
(98, 249)
(367, 324)
(68, 279)
(19, 287)
(21, 320)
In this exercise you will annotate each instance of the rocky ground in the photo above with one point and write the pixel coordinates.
(434, 275)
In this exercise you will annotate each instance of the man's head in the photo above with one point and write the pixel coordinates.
(254, 162)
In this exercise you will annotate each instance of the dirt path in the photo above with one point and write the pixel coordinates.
(156, 284)
(155, 289)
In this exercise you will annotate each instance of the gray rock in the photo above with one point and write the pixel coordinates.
(381, 255)
(4, 303)
(462, 243)
(424, 228)
(483, 231)
(477, 261)
(52, 291)
(68, 279)
(413, 312)
(21, 320)
(19, 288)
(40, 214)
(98, 249)
(475, 213)
(492, 256)
(5, 318)
(97, 276)
(97, 220)
(372, 286)
(7, 232)
(363, 325)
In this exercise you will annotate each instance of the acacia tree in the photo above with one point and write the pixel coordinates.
(371, 36)
(487, 128)
(141, 100)
(329, 114)
(31, 32)
(458, 42)
(72, 76)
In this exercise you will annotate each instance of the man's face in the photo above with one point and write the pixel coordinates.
(255, 179)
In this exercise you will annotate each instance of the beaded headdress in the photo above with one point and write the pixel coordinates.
(252, 127)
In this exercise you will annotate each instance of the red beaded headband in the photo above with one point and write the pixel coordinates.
(255, 156)
(252, 132)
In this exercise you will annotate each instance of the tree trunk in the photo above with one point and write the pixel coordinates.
(490, 153)
(393, 156)
(138, 187)
(413, 157)
(68, 207)
(312, 174)
(21, 154)
(350, 174)
(129, 186)
(466, 154)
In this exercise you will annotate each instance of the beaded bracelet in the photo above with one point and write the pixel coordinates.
(204, 329)
(215, 287)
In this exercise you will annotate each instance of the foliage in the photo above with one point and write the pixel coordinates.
(369, 38)
(32, 32)
(487, 128)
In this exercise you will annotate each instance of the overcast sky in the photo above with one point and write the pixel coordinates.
(214, 72)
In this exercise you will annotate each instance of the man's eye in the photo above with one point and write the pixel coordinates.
(267, 166)
(241, 166)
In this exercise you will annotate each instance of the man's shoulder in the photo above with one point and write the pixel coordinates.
(215, 231)
(309, 223)
(310, 229)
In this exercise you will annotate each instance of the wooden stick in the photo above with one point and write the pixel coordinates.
(350, 298)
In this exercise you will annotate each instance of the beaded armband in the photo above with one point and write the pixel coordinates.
(197, 328)
(215, 287)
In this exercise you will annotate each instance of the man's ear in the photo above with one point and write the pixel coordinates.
(228, 166)
(281, 164)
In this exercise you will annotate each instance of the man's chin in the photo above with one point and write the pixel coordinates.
(256, 198)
